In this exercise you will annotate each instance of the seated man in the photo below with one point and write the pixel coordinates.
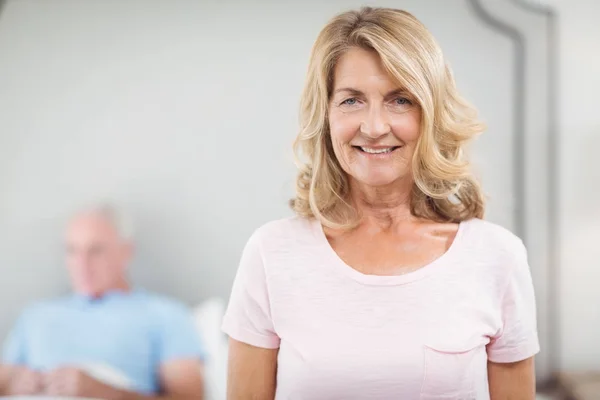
(107, 340)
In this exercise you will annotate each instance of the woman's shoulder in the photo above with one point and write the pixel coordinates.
(284, 231)
(491, 237)
(493, 251)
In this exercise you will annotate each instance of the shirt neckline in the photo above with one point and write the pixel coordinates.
(107, 297)
(389, 280)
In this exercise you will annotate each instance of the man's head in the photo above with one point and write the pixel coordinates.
(98, 247)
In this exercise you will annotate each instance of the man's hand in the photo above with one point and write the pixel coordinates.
(73, 382)
(23, 382)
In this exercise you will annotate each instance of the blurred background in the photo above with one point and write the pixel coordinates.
(185, 111)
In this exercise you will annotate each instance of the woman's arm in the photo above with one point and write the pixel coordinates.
(512, 381)
(252, 372)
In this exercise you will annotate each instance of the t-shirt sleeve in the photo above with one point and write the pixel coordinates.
(14, 350)
(178, 336)
(517, 339)
(248, 316)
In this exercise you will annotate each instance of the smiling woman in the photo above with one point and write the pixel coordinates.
(387, 284)
(373, 126)
(389, 78)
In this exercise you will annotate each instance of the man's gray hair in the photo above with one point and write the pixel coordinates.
(114, 214)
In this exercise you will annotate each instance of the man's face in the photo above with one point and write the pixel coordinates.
(96, 255)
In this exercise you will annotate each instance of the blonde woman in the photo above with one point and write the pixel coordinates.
(387, 284)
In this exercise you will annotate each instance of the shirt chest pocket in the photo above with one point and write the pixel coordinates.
(454, 369)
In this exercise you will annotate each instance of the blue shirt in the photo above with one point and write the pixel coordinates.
(133, 332)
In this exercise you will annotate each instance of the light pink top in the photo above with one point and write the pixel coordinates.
(345, 335)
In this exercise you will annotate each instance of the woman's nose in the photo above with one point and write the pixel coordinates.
(375, 124)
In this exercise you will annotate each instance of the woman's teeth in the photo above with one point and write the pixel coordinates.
(377, 151)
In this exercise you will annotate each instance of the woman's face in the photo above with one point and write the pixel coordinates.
(374, 126)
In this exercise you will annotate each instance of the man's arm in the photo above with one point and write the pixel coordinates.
(179, 380)
(16, 377)
(5, 375)
(182, 379)
(19, 381)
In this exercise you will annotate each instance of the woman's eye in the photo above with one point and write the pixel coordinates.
(401, 101)
(349, 102)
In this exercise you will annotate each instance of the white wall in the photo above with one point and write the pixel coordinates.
(579, 117)
(186, 112)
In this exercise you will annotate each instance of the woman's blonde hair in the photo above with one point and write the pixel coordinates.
(444, 188)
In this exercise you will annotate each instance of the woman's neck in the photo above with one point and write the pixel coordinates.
(384, 206)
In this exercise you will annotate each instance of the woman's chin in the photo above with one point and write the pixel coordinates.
(377, 181)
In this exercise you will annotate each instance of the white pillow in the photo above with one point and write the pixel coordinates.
(208, 316)
(108, 375)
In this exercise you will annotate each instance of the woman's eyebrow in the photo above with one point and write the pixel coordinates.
(349, 90)
(356, 92)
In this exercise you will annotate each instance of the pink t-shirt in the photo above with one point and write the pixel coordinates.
(342, 334)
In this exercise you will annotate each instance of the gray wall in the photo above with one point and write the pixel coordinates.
(185, 112)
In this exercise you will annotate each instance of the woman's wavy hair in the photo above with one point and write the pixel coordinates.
(444, 189)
